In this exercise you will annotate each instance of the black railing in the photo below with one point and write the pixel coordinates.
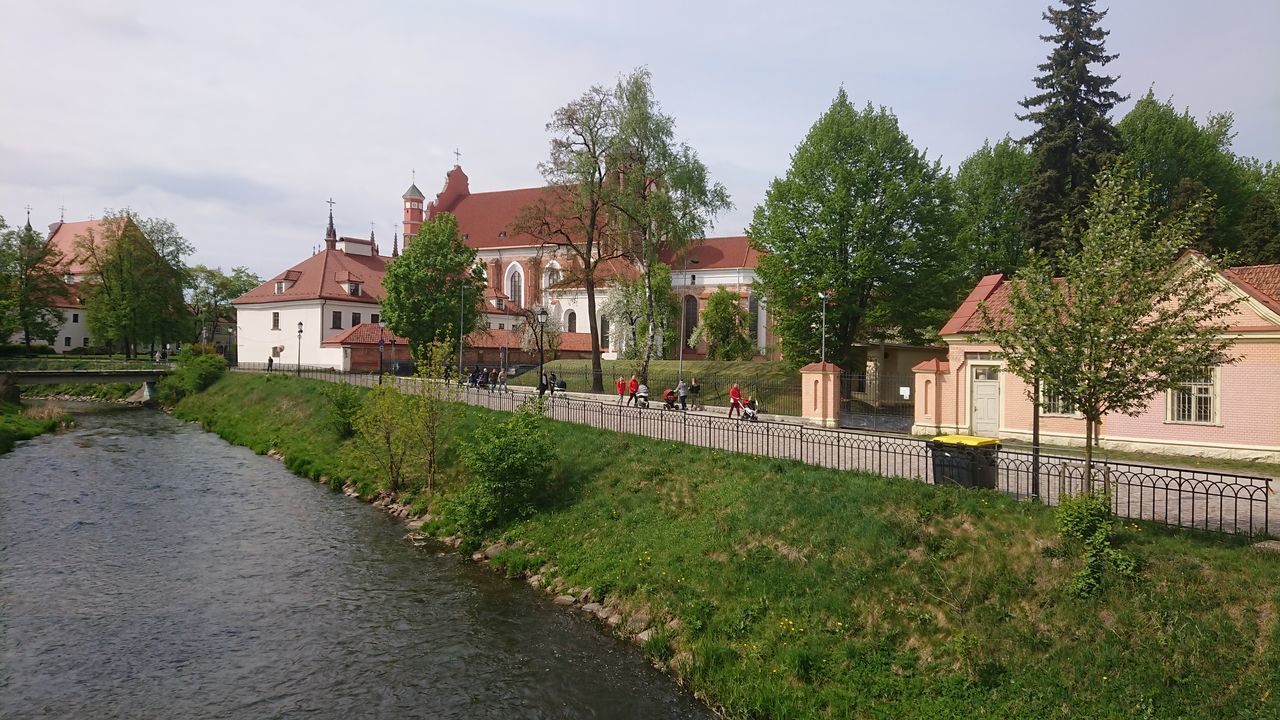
(877, 402)
(1180, 497)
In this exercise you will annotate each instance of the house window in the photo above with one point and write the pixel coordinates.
(502, 326)
(86, 342)
(500, 303)
(355, 319)
(337, 320)
(375, 318)
(1194, 402)
(353, 288)
(275, 321)
(66, 342)
(515, 288)
(75, 317)
(279, 287)
(1055, 404)
(693, 279)
(571, 322)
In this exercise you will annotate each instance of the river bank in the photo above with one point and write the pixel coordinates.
(18, 422)
(775, 589)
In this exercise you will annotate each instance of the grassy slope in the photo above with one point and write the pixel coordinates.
(805, 592)
(16, 425)
(108, 391)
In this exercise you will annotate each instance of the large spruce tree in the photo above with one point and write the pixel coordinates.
(1074, 138)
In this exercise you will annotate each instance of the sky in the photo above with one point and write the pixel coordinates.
(239, 120)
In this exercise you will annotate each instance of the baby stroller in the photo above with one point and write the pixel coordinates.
(669, 399)
(751, 411)
(642, 396)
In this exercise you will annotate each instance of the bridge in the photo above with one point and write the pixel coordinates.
(147, 376)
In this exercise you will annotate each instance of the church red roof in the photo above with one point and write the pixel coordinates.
(65, 236)
(717, 253)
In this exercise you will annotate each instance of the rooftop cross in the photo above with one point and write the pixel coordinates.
(62, 212)
(28, 213)
(331, 203)
(457, 157)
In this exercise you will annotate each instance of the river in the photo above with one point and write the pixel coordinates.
(148, 569)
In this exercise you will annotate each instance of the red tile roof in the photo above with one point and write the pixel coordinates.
(1261, 282)
(492, 339)
(322, 277)
(932, 365)
(365, 334)
(966, 316)
(716, 253)
(66, 236)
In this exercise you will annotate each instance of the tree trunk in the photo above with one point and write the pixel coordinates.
(650, 317)
(597, 369)
(1088, 456)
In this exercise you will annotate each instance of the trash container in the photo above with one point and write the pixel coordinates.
(965, 460)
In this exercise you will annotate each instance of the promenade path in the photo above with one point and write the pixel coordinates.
(1179, 496)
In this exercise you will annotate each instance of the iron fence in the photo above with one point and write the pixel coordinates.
(1179, 497)
(877, 402)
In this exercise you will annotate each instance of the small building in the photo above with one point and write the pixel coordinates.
(1232, 412)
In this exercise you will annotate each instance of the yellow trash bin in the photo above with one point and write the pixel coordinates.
(964, 460)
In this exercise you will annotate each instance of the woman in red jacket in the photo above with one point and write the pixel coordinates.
(735, 400)
(633, 386)
(621, 386)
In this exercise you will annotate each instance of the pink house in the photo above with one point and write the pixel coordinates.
(1234, 412)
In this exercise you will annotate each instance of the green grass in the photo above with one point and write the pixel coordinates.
(806, 592)
(773, 384)
(107, 391)
(16, 424)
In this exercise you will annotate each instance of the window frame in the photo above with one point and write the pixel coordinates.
(355, 319)
(275, 320)
(1047, 402)
(1214, 387)
(335, 320)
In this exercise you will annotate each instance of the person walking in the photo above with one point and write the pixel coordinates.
(554, 379)
(621, 385)
(632, 387)
(493, 379)
(735, 400)
(542, 386)
(682, 392)
(694, 390)
(270, 361)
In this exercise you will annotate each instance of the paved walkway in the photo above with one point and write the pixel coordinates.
(1184, 497)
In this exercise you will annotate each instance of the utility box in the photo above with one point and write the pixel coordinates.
(965, 460)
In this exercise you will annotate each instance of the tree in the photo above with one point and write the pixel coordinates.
(991, 224)
(1074, 139)
(862, 213)
(664, 196)
(425, 286)
(625, 308)
(389, 437)
(550, 337)
(132, 294)
(1260, 226)
(570, 214)
(209, 295)
(1131, 316)
(31, 283)
(724, 328)
(1181, 159)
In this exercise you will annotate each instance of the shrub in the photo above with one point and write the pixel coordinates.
(344, 406)
(1085, 520)
(1080, 517)
(510, 465)
(194, 373)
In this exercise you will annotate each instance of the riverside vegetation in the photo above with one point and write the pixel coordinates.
(780, 590)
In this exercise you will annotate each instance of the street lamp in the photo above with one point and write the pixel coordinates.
(462, 306)
(683, 336)
(298, 370)
(381, 342)
(823, 296)
(541, 318)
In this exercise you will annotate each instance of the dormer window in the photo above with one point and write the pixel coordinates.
(499, 302)
(353, 288)
(279, 287)
(502, 233)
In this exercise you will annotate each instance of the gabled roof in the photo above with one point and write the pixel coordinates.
(365, 334)
(485, 219)
(323, 276)
(1260, 282)
(492, 339)
(66, 235)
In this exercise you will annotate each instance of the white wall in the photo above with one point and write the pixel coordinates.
(255, 337)
(75, 328)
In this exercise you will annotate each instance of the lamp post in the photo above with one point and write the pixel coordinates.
(462, 307)
(823, 295)
(298, 370)
(683, 336)
(541, 318)
(381, 342)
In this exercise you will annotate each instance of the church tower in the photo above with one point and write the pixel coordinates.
(413, 199)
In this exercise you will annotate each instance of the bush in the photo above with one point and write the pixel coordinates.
(194, 373)
(344, 406)
(1085, 520)
(510, 465)
(1080, 517)
(18, 350)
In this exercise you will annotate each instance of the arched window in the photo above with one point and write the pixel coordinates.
(604, 332)
(551, 275)
(753, 317)
(515, 285)
(690, 316)
(571, 321)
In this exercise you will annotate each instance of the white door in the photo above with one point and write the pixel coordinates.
(985, 416)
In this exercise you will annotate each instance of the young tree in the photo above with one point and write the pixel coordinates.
(433, 405)
(663, 198)
(570, 214)
(30, 283)
(625, 309)
(863, 213)
(724, 328)
(209, 295)
(132, 294)
(1131, 316)
(1181, 159)
(991, 224)
(425, 287)
(388, 435)
(1074, 138)
(550, 334)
